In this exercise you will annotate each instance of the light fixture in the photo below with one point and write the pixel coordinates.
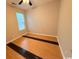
(25, 1)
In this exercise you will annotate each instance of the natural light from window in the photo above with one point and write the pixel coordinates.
(20, 19)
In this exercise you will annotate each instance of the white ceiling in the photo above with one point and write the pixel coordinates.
(40, 2)
(35, 3)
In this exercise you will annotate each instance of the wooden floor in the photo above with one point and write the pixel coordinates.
(39, 48)
(11, 54)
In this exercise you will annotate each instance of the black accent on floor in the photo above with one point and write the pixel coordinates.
(43, 40)
(23, 52)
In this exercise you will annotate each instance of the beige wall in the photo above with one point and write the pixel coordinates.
(44, 19)
(12, 25)
(65, 30)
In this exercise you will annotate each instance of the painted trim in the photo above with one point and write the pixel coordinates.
(61, 48)
(42, 34)
(16, 38)
(68, 57)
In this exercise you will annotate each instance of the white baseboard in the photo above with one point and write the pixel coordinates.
(61, 49)
(68, 57)
(42, 34)
(16, 38)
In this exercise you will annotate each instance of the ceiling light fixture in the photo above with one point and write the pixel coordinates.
(26, 1)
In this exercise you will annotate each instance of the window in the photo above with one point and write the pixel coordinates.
(20, 19)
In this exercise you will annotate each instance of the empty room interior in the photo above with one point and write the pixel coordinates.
(39, 29)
